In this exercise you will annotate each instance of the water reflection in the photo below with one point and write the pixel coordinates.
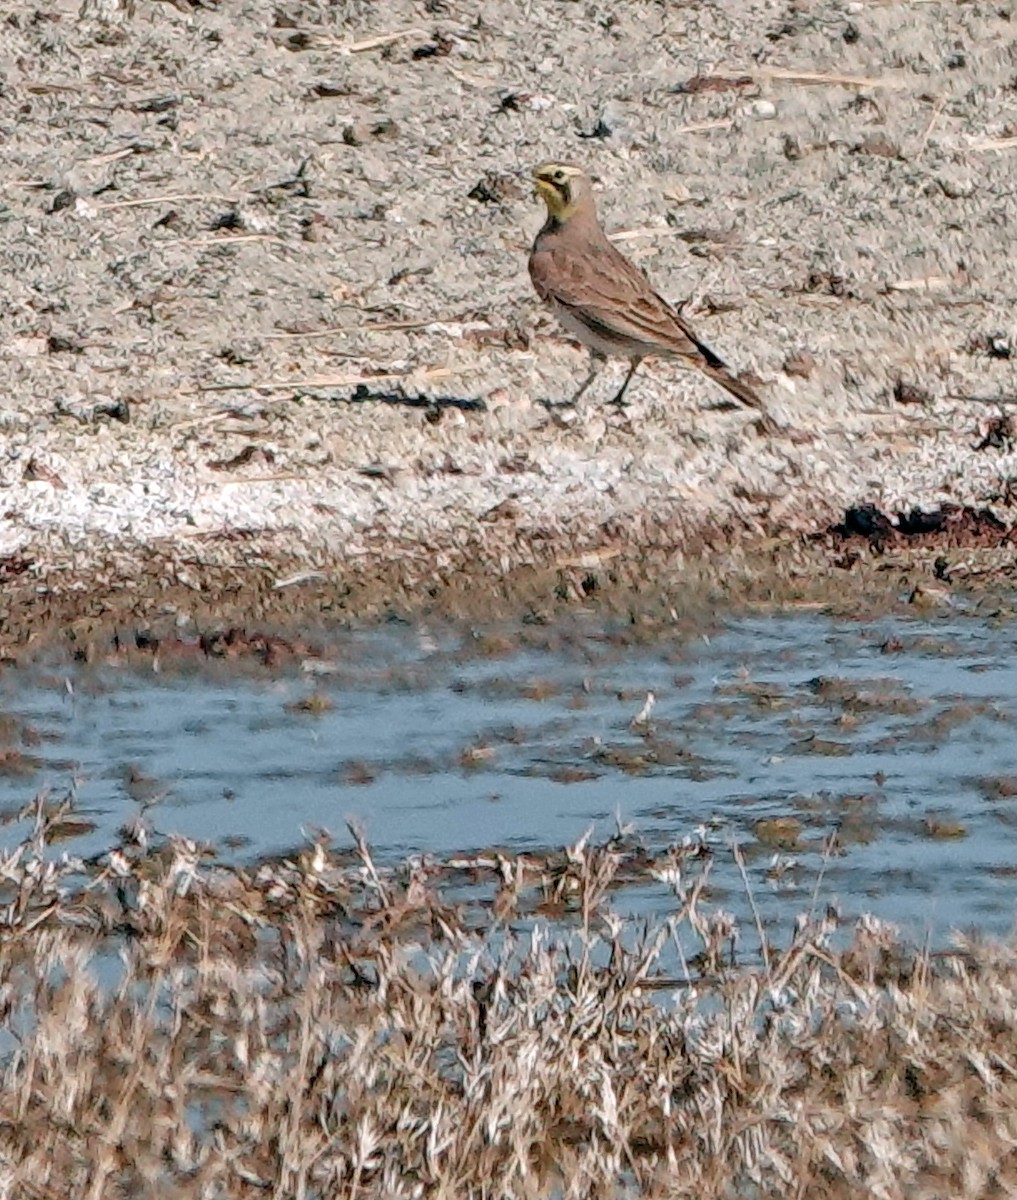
(775, 732)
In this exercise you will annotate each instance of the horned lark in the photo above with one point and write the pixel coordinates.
(603, 299)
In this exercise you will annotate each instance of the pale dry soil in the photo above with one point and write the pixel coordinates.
(258, 316)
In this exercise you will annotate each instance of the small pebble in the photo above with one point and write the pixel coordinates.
(800, 363)
(878, 145)
(910, 393)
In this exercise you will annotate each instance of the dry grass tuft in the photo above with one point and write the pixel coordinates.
(323, 1027)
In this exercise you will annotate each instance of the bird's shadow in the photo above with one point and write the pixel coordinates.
(723, 406)
(363, 394)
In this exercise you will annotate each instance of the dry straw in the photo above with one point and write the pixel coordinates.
(322, 1027)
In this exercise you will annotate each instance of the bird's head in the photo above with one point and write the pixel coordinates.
(563, 187)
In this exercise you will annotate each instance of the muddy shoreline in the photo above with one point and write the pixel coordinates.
(225, 594)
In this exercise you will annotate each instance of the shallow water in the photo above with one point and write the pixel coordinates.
(900, 734)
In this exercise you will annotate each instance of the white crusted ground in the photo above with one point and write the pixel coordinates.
(130, 139)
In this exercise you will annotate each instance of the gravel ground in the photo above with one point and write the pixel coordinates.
(266, 285)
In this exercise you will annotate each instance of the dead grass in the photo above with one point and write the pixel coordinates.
(321, 1027)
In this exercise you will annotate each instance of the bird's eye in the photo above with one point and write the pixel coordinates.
(559, 176)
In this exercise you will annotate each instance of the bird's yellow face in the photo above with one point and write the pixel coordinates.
(558, 185)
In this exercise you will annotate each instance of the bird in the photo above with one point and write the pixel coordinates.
(602, 298)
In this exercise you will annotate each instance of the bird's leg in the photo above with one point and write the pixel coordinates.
(618, 400)
(595, 364)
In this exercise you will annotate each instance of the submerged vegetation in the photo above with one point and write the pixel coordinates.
(321, 1027)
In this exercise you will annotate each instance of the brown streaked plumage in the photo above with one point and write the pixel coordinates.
(603, 299)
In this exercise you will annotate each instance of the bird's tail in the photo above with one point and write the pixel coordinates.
(718, 370)
(731, 383)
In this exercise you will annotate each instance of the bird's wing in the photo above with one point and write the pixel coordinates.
(601, 287)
